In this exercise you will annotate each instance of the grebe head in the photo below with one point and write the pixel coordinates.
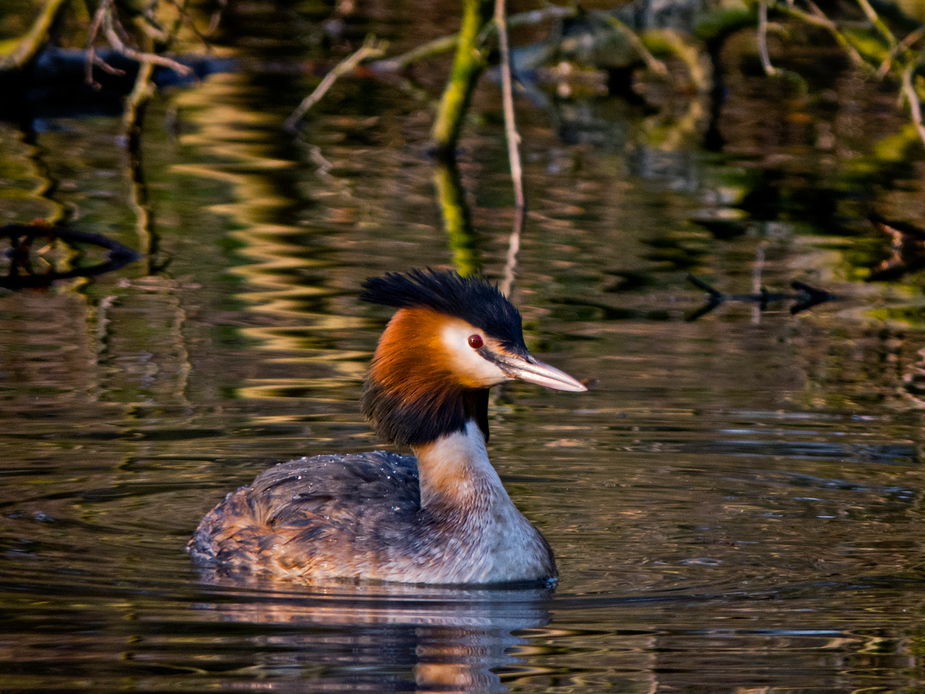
(452, 339)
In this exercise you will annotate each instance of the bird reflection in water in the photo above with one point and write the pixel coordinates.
(358, 637)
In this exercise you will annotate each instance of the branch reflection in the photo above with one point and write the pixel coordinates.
(31, 268)
(457, 219)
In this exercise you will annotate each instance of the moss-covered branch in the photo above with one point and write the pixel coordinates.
(468, 64)
(17, 54)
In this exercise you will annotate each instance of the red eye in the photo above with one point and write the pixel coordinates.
(475, 341)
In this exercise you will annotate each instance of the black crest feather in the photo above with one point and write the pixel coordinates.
(471, 299)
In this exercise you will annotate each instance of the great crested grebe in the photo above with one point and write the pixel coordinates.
(442, 516)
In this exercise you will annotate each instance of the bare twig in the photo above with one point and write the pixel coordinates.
(112, 35)
(370, 49)
(824, 21)
(216, 17)
(541, 15)
(435, 47)
(92, 33)
(507, 94)
(763, 38)
(448, 43)
(149, 25)
(912, 97)
(874, 18)
(102, 65)
(899, 48)
(818, 18)
(513, 145)
(183, 14)
(112, 27)
(105, 21)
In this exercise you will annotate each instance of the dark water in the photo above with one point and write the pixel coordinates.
(736, 505)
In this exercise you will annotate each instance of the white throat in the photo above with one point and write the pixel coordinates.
(456, 466)
(483, 537)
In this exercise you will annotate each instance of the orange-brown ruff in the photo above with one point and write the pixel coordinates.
(440, 517)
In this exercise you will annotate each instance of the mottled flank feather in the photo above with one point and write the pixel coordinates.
(280, 521)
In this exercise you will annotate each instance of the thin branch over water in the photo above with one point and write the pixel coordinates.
(371, 48)
(513, 147)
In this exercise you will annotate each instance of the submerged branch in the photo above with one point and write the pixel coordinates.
(806, 297)
(22, 274)
(513, 250)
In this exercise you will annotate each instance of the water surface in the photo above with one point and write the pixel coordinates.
(736, 504)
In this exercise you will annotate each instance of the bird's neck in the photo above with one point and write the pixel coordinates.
(420, 412)
(475, 532)
(455, 472)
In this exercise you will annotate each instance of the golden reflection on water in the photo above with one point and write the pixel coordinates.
(239, 142)
(738, 504)
(24, 172)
